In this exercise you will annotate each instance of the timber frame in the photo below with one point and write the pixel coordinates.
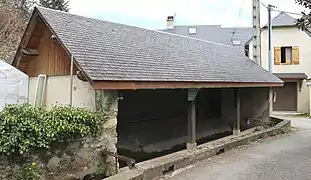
(29, 49)
(122, 85)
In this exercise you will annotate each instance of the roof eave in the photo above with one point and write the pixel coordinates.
(123, 85)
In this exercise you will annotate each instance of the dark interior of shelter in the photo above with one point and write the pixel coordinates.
(153, 123)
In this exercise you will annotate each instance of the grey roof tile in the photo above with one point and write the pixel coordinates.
(215, 33)
(111, 51)
(283, 19)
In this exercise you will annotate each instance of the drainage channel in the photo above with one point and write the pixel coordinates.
(140, 156)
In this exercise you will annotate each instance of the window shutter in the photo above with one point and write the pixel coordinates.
(277, 55)
(295, 54)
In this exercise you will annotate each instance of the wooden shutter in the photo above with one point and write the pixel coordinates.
(277, 55)
(295, 54)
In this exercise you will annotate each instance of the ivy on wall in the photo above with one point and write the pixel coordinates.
(24, 128)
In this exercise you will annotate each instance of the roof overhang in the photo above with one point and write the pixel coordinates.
(292, 76)
(34, 19)
(124, 85)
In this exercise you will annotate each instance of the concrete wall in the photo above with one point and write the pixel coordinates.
(57, 92)
(228, 109)
(254, 103)
(290, 36)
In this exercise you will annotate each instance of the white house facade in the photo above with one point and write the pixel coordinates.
(291, 51)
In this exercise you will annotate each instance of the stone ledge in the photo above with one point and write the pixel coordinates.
(156, 167)
(135, 174)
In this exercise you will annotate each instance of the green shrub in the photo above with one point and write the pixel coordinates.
(29, 172)
(24, 128)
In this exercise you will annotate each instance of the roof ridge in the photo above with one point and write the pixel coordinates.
(185, 25)
(283, 13)
(136, 27)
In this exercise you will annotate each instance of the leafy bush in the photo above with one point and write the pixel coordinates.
(24, 127)
(29, 172)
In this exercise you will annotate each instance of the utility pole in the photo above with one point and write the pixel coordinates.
(256, 32)
(270, 7)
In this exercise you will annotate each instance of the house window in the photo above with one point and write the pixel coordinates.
(236, 42)
(286, 55)
(246, 50)
(192, 30)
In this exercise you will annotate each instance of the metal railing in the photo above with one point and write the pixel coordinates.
(129, 161)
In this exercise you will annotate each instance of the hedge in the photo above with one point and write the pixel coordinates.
(24, 128)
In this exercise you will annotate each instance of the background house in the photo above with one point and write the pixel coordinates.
(290, 48)
(233, 36)
(291, 54)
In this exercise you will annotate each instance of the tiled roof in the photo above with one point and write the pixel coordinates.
(111, 51)
(215, 33)
(283, 19)
(291, 75)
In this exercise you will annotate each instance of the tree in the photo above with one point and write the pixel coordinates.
(61, 5)
(13, 19)
(305, 20)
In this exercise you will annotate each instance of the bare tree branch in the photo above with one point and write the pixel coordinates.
(305, 21)
(12, 26)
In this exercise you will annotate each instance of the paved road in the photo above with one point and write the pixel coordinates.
(279, 158)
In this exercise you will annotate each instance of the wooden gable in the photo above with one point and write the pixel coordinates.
(47, 57)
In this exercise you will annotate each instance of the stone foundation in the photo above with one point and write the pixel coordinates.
(78, 159)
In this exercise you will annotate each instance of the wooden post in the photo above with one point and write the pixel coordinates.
(236, 129)
(71, 80)
(191, 125)
(191, 118)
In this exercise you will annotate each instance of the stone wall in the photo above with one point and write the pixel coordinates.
(108, 102)
(81, 158)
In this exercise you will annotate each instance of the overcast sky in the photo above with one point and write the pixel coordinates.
(152, 13)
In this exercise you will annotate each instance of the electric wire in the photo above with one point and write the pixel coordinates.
(239, 15)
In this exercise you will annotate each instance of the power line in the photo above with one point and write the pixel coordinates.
(288, 12)
(239, 15)
(266, 6)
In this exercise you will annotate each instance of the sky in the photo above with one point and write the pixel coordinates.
(152, 14)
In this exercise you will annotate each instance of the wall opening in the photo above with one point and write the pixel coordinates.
(153, 123)
(210, 125)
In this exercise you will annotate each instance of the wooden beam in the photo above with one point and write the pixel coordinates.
(123, 85)
(30, 52)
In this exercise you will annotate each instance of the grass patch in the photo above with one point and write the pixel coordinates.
(303, 115)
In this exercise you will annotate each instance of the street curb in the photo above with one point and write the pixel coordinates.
(157, 167)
